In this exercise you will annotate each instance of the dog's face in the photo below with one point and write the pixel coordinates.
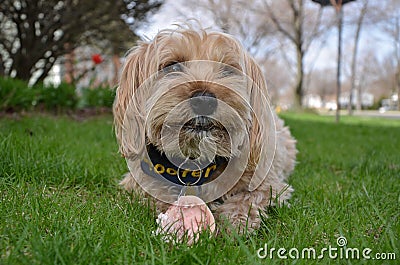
(196, 107)
(189, 94)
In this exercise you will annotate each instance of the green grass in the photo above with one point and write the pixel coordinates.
(60, 202)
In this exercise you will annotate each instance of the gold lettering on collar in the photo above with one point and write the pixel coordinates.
(213, 167)
(159, 168)
(196, 173)
(172, 171)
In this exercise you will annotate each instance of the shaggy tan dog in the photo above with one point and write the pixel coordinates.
(193, 97)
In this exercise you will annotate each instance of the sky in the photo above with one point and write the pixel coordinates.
(319, 57)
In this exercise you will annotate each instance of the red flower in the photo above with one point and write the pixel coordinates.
(96, 58)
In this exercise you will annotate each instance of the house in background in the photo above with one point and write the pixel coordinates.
(312, 101)
(391, 103)
(315, 101)
(367, 99)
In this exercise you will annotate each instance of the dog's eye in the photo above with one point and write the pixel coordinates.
(228, 70)
(172, 67)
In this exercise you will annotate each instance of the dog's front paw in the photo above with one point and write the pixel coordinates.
(129, 183)
(238, 219)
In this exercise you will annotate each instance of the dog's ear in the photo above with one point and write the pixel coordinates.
(262, 134)
(128, 105)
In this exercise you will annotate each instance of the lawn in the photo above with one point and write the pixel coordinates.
(60, 202)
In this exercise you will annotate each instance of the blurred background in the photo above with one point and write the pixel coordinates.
(66, 50)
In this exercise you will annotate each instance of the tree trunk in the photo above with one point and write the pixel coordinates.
(298, 25)
(23, 73)
(117, 67)
(398, 85)
(299, 77)
(2, 70)
(339, 13)
(397, 32)
(354, 63)
(69, 75)
(359, 96)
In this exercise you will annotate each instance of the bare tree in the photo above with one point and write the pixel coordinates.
(322, 83)
(359, 24)
(379, 74)
(279, 82)
(391, 27)
(33, 34)
(239, 18)
(300, 26)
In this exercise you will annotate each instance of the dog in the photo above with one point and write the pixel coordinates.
(197, 94)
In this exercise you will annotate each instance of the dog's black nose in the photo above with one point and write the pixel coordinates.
(203, 103)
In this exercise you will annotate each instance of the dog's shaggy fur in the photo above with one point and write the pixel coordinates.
(164, 73)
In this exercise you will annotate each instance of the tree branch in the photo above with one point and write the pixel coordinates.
(278, 24)
(314, 32)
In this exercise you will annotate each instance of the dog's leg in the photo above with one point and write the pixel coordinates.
(129, 183)
(242, 210)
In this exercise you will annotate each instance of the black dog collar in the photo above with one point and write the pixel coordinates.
(188, 173)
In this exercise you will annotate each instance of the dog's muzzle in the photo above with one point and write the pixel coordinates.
(203, 103)
(199, 124)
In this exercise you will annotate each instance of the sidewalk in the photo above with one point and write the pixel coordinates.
(366, 113)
